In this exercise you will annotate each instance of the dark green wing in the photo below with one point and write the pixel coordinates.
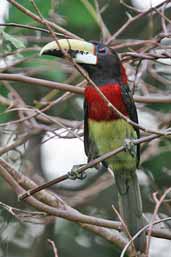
(89, 145)
(86, 130)
(132, 112)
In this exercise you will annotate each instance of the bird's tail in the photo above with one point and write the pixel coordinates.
(130, 205)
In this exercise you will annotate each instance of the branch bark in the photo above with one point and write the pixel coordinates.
(74, 89)
(52, 204)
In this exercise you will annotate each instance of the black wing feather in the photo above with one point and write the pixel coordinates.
(132, 112)
(89, 145)
(86, 131)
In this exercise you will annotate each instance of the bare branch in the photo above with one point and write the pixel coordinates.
(74, 89)
(158, 204)
(139, 232)
(17, 25)
(90, 164)
(132, 20)
(55, 251)
(18, 181)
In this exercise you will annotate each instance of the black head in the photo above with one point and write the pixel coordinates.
(108, 66)
(101, 62)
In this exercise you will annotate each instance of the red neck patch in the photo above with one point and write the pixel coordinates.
(98, 109)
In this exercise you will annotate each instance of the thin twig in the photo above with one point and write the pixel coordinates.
(19, 141)
(158, 204)
(55, 251)
(139, 232)
(16, 180)
(17, 25)
(132, 20)
(88, 165)
(74, 89)
(37, 18)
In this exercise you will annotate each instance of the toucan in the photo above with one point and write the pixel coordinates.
(104, 129)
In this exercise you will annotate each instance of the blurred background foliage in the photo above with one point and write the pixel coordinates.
(25, 239)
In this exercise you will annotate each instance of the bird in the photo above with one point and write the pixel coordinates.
(104, 129)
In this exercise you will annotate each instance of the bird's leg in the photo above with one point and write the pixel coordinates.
(75, 174)
(130, 147)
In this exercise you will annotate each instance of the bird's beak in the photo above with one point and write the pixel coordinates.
(81, 51)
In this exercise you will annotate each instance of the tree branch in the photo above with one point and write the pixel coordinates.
(91, 164)
(74, 89)
(43, 199)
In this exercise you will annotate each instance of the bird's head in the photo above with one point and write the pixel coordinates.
(101, 62)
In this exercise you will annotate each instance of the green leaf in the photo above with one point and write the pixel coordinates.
(20, 17)
(14, 41)
(82, 17)
(3, 90)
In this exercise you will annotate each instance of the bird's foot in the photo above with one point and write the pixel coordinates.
(76, 174)
(130, 147)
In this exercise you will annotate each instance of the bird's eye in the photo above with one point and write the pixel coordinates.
(102, 50)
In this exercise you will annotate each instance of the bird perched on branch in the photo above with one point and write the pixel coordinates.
(104, 129)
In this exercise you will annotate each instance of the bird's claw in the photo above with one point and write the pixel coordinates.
(130, 146)
(75, 174)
